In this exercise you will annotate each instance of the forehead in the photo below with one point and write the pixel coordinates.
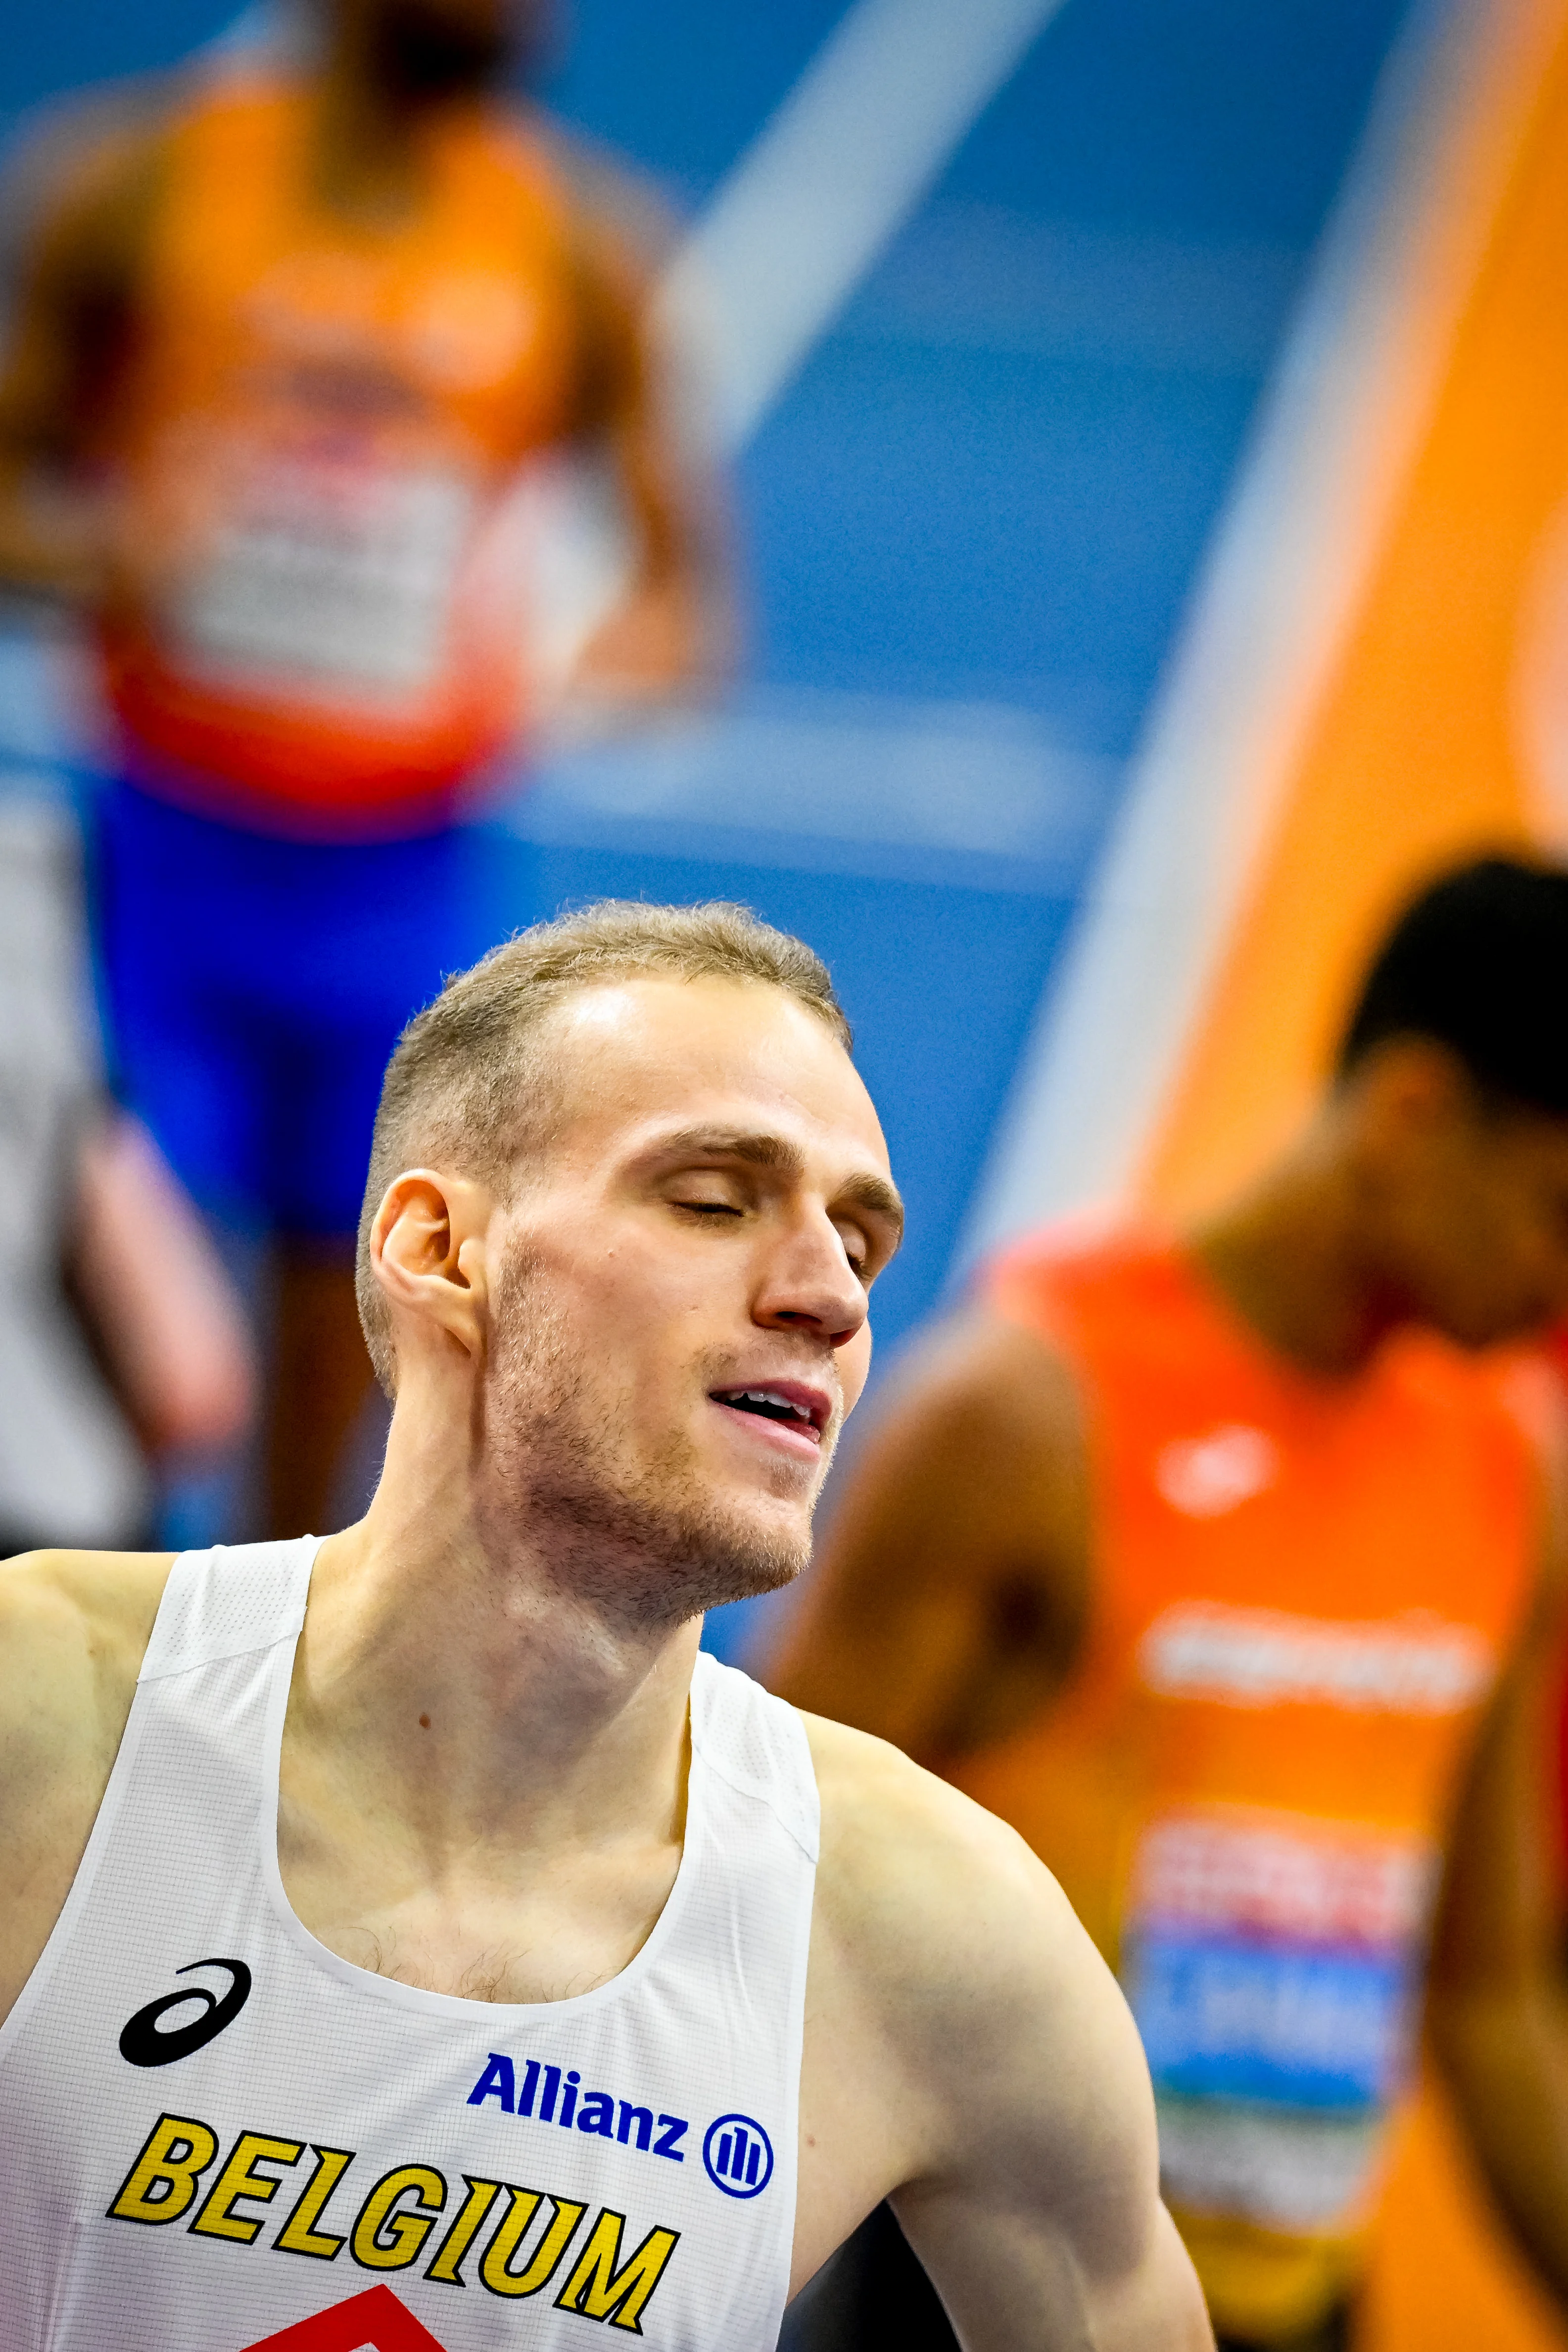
(645, 1050)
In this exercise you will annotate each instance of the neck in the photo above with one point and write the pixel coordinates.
(471, 1693)
(1291, 1256)
(368, 136)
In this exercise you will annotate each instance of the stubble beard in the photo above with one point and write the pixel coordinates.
(641, 1542)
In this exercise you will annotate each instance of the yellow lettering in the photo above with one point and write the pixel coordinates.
(300, 2234)
(446, 2266)
(218, 2218)
(387, 2239)
(177, 2152)
(546, 2256)
(599, 2291)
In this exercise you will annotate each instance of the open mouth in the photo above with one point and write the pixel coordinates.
(801, 1412)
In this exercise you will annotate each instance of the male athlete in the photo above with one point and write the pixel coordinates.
(1215, 1565)
(411, 1940)
(292, 355)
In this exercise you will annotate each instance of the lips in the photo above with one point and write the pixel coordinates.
(785, 1411)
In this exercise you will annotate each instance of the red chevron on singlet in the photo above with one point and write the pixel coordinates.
(372, 2322)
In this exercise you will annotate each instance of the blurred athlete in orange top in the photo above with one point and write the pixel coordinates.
(1216, 1567)
(285, 359)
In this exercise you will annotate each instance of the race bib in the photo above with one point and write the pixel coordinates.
(1272, 1964)
(334, 581)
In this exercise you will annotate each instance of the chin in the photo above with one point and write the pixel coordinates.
(769, 1549)
(778, 1512)
(1478, 1331)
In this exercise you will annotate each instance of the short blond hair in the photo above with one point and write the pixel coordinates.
(465, 1084)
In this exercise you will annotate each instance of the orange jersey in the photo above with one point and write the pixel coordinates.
(1303, 1591)
(319, 444)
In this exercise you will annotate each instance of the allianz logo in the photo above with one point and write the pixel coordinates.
(1411, 1664)
(738, 2155)
(553, 2094)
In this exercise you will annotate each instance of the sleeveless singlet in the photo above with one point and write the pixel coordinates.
(322, 619)
(218, 2135)
(1301, 1593)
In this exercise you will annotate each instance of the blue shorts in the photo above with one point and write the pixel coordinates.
(254, 989)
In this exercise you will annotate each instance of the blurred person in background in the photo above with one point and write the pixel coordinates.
(1228, 1569)
(288, 350)
(120, 1343)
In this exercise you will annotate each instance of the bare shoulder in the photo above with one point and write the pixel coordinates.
(93, 177)
(956, 1947)
(89, 1605)
(610, 195)
(899, 1843)
(992, 1367)
(953, 1585)
(74, 1627)
(987, 1416)
(80, 198)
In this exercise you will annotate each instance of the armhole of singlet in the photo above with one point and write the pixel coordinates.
(729, 1708)
(120, 1775)
(790, 1791)
(806, 1909)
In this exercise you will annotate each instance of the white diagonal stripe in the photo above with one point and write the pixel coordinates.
(829, 180)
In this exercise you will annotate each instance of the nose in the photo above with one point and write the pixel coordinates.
(807, 1283)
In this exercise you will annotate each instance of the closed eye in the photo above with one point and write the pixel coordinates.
(709, 1208)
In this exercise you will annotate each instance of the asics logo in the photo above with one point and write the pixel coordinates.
(145, 2041)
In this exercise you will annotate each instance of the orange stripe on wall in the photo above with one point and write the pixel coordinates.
(1409, 757)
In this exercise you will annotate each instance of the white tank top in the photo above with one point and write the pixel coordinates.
(216, 2135)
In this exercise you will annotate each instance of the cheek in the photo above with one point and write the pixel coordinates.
(1467, 1221)
(1499, 1245)
(854, 1365)
(638, 1320)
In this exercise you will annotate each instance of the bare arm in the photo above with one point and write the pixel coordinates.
(1495, 2004)
(69, 333)
(969, 2053)
(949, 1597)
(171, 1330)
(673, 627)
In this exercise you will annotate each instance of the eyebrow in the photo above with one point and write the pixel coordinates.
(866, 1188)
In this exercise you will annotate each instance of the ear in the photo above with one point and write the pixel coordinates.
(427, 1252)
(1411, 1090)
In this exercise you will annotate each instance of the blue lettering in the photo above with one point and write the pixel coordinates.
(497, 2082)
(553, 2094)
